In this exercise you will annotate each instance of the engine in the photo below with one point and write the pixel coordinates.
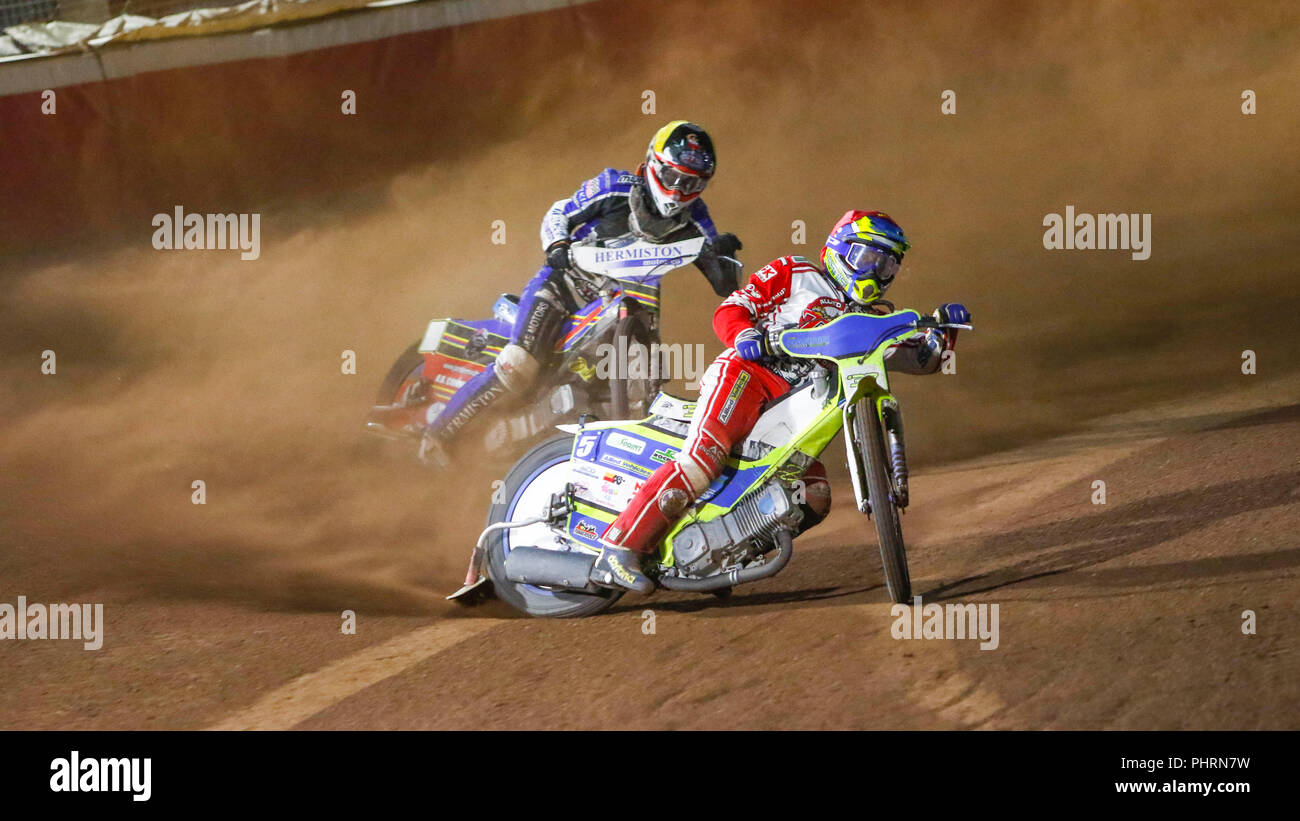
(704, 548)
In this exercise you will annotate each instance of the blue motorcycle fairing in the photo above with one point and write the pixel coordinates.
(847, 335)
(481, 340)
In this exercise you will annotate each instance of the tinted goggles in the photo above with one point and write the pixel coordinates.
(869, 262)
(675, 179)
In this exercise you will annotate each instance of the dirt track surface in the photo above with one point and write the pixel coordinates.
(1085, 366)
(1122, 615)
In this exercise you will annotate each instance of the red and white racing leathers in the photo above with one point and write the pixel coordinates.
(790, 291)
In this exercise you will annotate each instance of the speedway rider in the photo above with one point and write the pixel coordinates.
(659, 202)
(861, 258)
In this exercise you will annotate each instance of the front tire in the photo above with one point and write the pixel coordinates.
(628, 394)
(889, 530)
(541, 472)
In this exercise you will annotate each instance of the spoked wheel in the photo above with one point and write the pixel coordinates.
(630, 397)
(893, 554)
(527, 491)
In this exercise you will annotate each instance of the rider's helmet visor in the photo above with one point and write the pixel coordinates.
(870, 262)
(677, 179)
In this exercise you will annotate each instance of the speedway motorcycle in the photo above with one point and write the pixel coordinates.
(541, 541)
(628, 272)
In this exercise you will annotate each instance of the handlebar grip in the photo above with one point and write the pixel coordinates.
(927, 322)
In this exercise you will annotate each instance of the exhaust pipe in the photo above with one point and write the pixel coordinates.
(550, 568)
(784, 550)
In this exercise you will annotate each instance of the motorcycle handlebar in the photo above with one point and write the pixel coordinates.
(930, 322)
(922, 323)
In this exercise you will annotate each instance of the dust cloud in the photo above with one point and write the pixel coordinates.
(182, 366)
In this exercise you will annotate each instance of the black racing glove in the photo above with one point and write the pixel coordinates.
(727, 245)
(722, 273)
(557, 256)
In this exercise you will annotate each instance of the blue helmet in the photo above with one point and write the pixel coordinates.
(863, 253)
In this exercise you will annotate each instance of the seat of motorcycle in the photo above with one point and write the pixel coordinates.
(683, 410)
(804, 382)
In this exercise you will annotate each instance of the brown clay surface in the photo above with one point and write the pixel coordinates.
(1086, 366)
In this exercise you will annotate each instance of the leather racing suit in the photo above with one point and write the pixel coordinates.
(611, 204)
(790, 291)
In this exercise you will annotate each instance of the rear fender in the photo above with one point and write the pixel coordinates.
(455, 351)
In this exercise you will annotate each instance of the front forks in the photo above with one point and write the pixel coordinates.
(891, 420)
(855, 452)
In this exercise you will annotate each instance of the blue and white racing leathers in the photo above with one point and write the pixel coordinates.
(611, 204)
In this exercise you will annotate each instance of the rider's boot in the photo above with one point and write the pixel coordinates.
(618, 566)
(394, 420)
(649, 514)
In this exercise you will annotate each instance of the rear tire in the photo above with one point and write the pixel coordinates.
(539, 602)
(889, 530)
(407, 367)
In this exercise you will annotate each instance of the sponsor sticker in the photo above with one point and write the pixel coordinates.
(729, 406)
(623, 464)
(820, 311)
(615, 490)
(624, 442)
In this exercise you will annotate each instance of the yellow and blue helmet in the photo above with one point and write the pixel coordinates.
(863, 253)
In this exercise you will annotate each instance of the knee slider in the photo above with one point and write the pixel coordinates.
(673, 501)
(680, 488)
(516, 368)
